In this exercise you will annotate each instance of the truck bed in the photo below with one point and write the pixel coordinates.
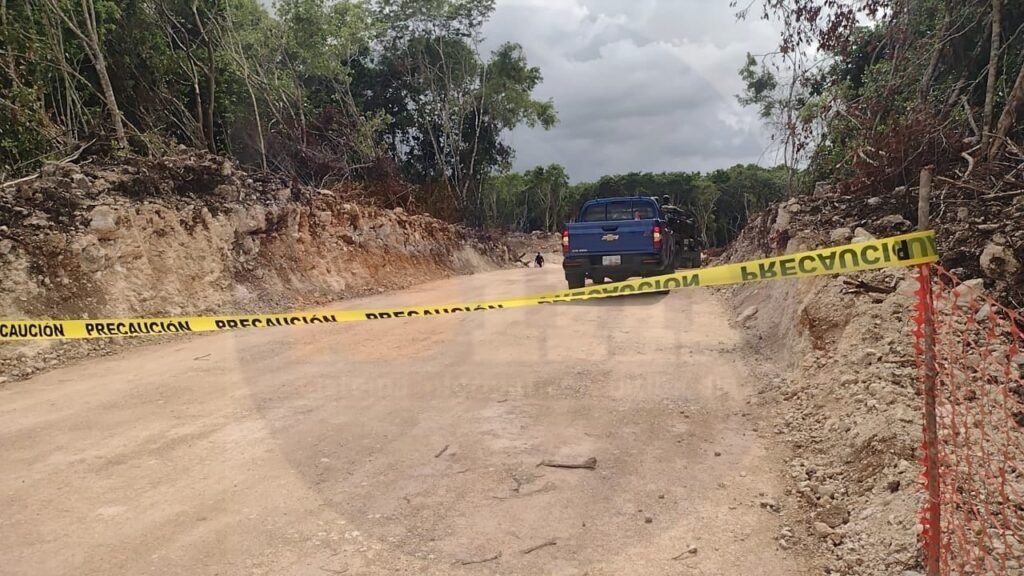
(616, 238)
(624, 237)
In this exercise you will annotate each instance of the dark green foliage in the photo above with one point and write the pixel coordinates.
(723, 200)
(324, 90)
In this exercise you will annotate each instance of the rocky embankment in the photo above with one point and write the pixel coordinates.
(846, 405)
(189, 233)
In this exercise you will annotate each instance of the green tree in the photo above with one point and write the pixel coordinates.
(549, 186)
(873, 90)
(744, 190)
(323, 90)
(508, 201)
(724, 200)
(82, 21)
(702, 204)
(449, 107)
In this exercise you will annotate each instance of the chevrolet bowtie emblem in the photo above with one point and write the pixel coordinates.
(610, 237)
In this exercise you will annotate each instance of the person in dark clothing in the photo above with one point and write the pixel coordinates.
(539, 260)
(670, 210)
(684, 232)
(680, 222)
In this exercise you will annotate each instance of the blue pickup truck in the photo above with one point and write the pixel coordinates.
(617, 238)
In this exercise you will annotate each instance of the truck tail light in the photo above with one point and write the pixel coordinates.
(565, 241)
(656, 235)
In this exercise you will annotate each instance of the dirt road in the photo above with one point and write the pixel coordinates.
(402, 447)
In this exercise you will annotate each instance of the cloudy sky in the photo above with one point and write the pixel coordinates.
(638, 84)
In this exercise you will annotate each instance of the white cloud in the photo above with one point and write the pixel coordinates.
(638, 84)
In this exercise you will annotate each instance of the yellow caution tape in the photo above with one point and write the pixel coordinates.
(905, 250)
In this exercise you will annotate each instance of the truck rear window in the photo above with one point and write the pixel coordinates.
(621, 210)
(643, 209)
(593, 213)
(630, 211)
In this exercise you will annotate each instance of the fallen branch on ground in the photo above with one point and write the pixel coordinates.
(74, 156)
(482, 560)
(1003, 195)
(443, 450)
(963, 183)
(589, 464)
(970, 164)
(20, 180)
(544, 544)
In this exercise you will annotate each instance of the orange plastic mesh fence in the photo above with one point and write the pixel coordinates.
(979, 407)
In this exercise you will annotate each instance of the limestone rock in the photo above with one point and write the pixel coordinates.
(746, 315)
(970, 287)
(998, 261)
(896, 223)
(841, 235)
(248, 219)
(862, 235)
(80, 182)
(227, 192)
(103, 222)
(834, 516)
(821, 530)
(782, 220)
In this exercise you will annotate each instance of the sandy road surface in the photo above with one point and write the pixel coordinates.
(318, 450)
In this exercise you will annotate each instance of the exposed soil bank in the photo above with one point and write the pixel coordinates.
(190, 234)
(847, 405)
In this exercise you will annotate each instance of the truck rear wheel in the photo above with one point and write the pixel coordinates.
(575, 281)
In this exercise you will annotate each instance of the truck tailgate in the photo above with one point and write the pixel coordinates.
(618, 237)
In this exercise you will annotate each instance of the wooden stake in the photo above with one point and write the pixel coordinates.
(933, 544)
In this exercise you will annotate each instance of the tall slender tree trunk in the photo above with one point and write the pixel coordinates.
(933, 62)
(259, 122)
(108, 95)
(197, 95)
(993, 72)
(12, 70)
(553, 193)
(494, 204)
(300, 102)
(790, 144)
(898, 36)
(547, 213)
(90, 39)
(954, 94)
(211, 79)
(1009, 115)
(211, 91)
